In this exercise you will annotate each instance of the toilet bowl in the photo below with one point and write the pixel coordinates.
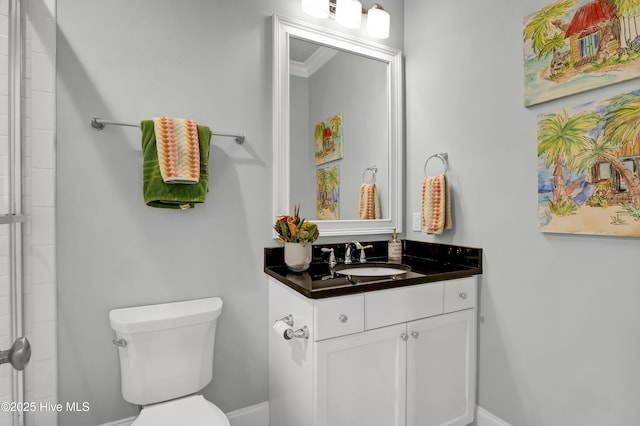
(192, 410)
(166, 357)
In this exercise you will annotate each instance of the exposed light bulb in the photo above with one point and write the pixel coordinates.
(378, 21)
(349, 13)
(316, 8)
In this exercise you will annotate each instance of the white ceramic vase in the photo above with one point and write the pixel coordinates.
(297, 257)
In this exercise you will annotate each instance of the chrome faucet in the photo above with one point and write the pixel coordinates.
(332, 257)
(363, 257)
(347, 254)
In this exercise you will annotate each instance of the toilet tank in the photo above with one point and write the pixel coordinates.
(167, 351)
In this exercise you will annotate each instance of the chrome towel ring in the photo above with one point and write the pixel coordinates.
(442, 156)
(373, 171)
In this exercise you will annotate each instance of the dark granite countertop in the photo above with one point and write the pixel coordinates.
(429, 262)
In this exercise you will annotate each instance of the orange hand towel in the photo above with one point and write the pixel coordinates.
(159, 194)
(369, 202)
(178, 149)
(436, 205)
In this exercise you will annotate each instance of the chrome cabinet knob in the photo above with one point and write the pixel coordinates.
(462, 296)
(415, 334)
(404, 337)
(343, 318)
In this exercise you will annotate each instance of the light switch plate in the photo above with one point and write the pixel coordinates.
(417, 222)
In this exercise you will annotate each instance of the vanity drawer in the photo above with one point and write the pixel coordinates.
(459, 294)
(338, 316)
(386, 307)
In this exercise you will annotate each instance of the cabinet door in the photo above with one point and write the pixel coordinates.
(441, 370)
(361, 379)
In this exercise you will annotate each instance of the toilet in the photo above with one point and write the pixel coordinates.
(166, 357)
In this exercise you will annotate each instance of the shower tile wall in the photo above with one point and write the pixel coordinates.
(39, 202)
(38, 132)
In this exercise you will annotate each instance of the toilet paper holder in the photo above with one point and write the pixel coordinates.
(289, 333)
(301, 333)
(287, 320)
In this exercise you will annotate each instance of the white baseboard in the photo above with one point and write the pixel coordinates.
(254, 415)
(121, 422)
(485, 418)
(258, 415)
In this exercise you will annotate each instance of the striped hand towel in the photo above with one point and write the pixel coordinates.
(369, 202)
(159, 194)
(436, 205)
(178, 149)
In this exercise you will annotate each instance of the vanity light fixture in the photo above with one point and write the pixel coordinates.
(316, 8)
(378, 21)
(348, 13)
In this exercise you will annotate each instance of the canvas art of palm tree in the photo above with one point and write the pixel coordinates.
(589, 168)
(328, 193)
(328, 140)
(571, 46)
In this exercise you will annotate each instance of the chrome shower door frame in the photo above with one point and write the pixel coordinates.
(14, 217)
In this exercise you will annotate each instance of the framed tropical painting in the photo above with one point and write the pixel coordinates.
(572, 46)
(328, 193)
(328, 140)
(589, 168)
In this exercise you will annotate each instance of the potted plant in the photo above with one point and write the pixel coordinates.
(297, 235)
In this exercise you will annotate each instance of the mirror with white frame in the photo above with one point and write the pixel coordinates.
(364, 86)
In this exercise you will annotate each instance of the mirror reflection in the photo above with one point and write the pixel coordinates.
(337, 117)
(339, 154)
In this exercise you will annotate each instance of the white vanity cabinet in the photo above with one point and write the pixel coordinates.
(441, 370)
(360, 379)
(399, 357)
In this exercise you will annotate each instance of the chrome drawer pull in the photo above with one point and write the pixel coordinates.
(415, 334)
(462, 296)
(404, 337)
(343, 318)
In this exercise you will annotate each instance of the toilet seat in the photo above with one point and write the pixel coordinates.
(191, 410)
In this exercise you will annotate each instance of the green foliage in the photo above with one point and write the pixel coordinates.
(556, 42)
(540, 30)
(617, 220)
(564, 136)
(319, 132)
(630, 210)
(563, 207)
(622, 119)
(599, 199)
(294, 229)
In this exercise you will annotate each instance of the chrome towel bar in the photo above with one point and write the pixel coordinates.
(99, 123)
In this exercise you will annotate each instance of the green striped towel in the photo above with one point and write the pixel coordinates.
(172, 196)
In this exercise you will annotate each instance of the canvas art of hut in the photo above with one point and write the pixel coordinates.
(593, 33)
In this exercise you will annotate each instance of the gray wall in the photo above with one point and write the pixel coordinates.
(558, 329)
(356, 87)
(353, 86)
(206, 60)
(303, 177)
(558, 313)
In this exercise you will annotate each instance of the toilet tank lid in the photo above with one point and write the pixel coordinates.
(141, 319)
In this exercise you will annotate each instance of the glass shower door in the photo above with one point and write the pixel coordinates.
(14, 350)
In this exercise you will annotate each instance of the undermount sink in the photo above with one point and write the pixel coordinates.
(372, 269)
